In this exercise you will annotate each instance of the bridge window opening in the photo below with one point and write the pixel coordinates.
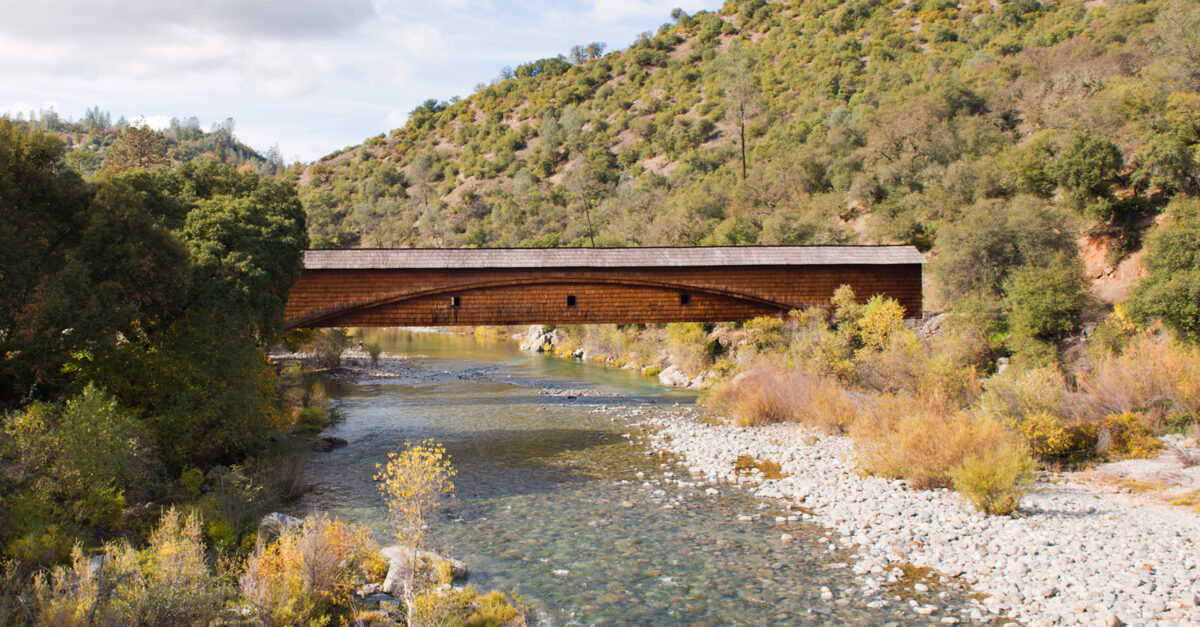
(571, 300)
(455, 301)
(685, 298)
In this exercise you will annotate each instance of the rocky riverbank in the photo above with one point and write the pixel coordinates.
(1075, 554)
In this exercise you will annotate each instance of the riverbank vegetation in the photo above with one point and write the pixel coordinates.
(136, 309)
(145, 433)
(940, 405)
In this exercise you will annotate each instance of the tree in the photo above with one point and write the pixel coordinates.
(1178, 26)
(1044, 300)
(198, 374)
(741, 92)
(246, 251)
(1171, 290)
(591, 180)
(595, 50)
(137, 146)
(978, 251)
(1086, 168)
(577, 55)
(414, 483)
(85, 266)
(549, 138)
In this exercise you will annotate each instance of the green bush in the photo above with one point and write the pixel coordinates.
(329, 346)
(1171, 290)
(1044, 303)
(1086, 168)
(374, 350)
(982, 248)
(67, 467)
(167, 583)
(311, 420)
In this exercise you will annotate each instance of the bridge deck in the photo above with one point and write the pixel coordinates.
(442, 287)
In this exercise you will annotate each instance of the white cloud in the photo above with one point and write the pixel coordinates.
(312, 75)
(618, 10)
(396, 72)
(395, 118)
(280, 72)
(133, 20)
(424, 42)
(186, 50)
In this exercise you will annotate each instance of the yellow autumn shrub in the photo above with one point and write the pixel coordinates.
(307, 575)
(994, 479)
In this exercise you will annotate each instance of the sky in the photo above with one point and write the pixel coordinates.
(312, 76)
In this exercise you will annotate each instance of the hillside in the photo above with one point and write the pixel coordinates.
(867, 121)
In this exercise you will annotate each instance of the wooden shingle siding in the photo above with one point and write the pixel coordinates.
(700, 256)
(420, 295)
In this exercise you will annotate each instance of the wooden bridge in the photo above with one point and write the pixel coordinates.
(491, 286)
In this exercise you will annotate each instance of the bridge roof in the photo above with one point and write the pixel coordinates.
(449, 258)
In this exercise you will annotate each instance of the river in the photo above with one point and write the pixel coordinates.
(558, 502)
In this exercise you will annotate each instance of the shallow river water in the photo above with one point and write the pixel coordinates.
(549, 503)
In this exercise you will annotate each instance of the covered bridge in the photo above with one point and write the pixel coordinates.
(492, 286)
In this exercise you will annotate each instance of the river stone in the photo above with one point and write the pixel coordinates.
(401, 558)
(96, 565)
(274, 524)
(326, 443)
(673, 377)
(376, 599)
(539, 341)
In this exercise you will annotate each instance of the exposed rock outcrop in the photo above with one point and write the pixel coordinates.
(402, 560)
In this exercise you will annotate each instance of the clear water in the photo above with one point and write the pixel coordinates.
(549, 505)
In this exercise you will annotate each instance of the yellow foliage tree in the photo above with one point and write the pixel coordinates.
(415, 483)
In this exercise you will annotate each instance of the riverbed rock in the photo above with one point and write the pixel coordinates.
(673, 377)
(1039, 568)
(378, 598)
(538, 340)
(96, 565)
(325, 443)
(274, 524)
(402, 559)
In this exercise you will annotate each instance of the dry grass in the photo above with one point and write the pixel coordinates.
(1013, 395)
(1142, 486)
(1187, 457)
(1190, 499)
(903, 441)
(766, 392)
(768, 469)
(1155, 378)
(904, 438)
(307, 571)
(942, 372)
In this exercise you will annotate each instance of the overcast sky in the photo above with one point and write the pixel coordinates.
(311, 75)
